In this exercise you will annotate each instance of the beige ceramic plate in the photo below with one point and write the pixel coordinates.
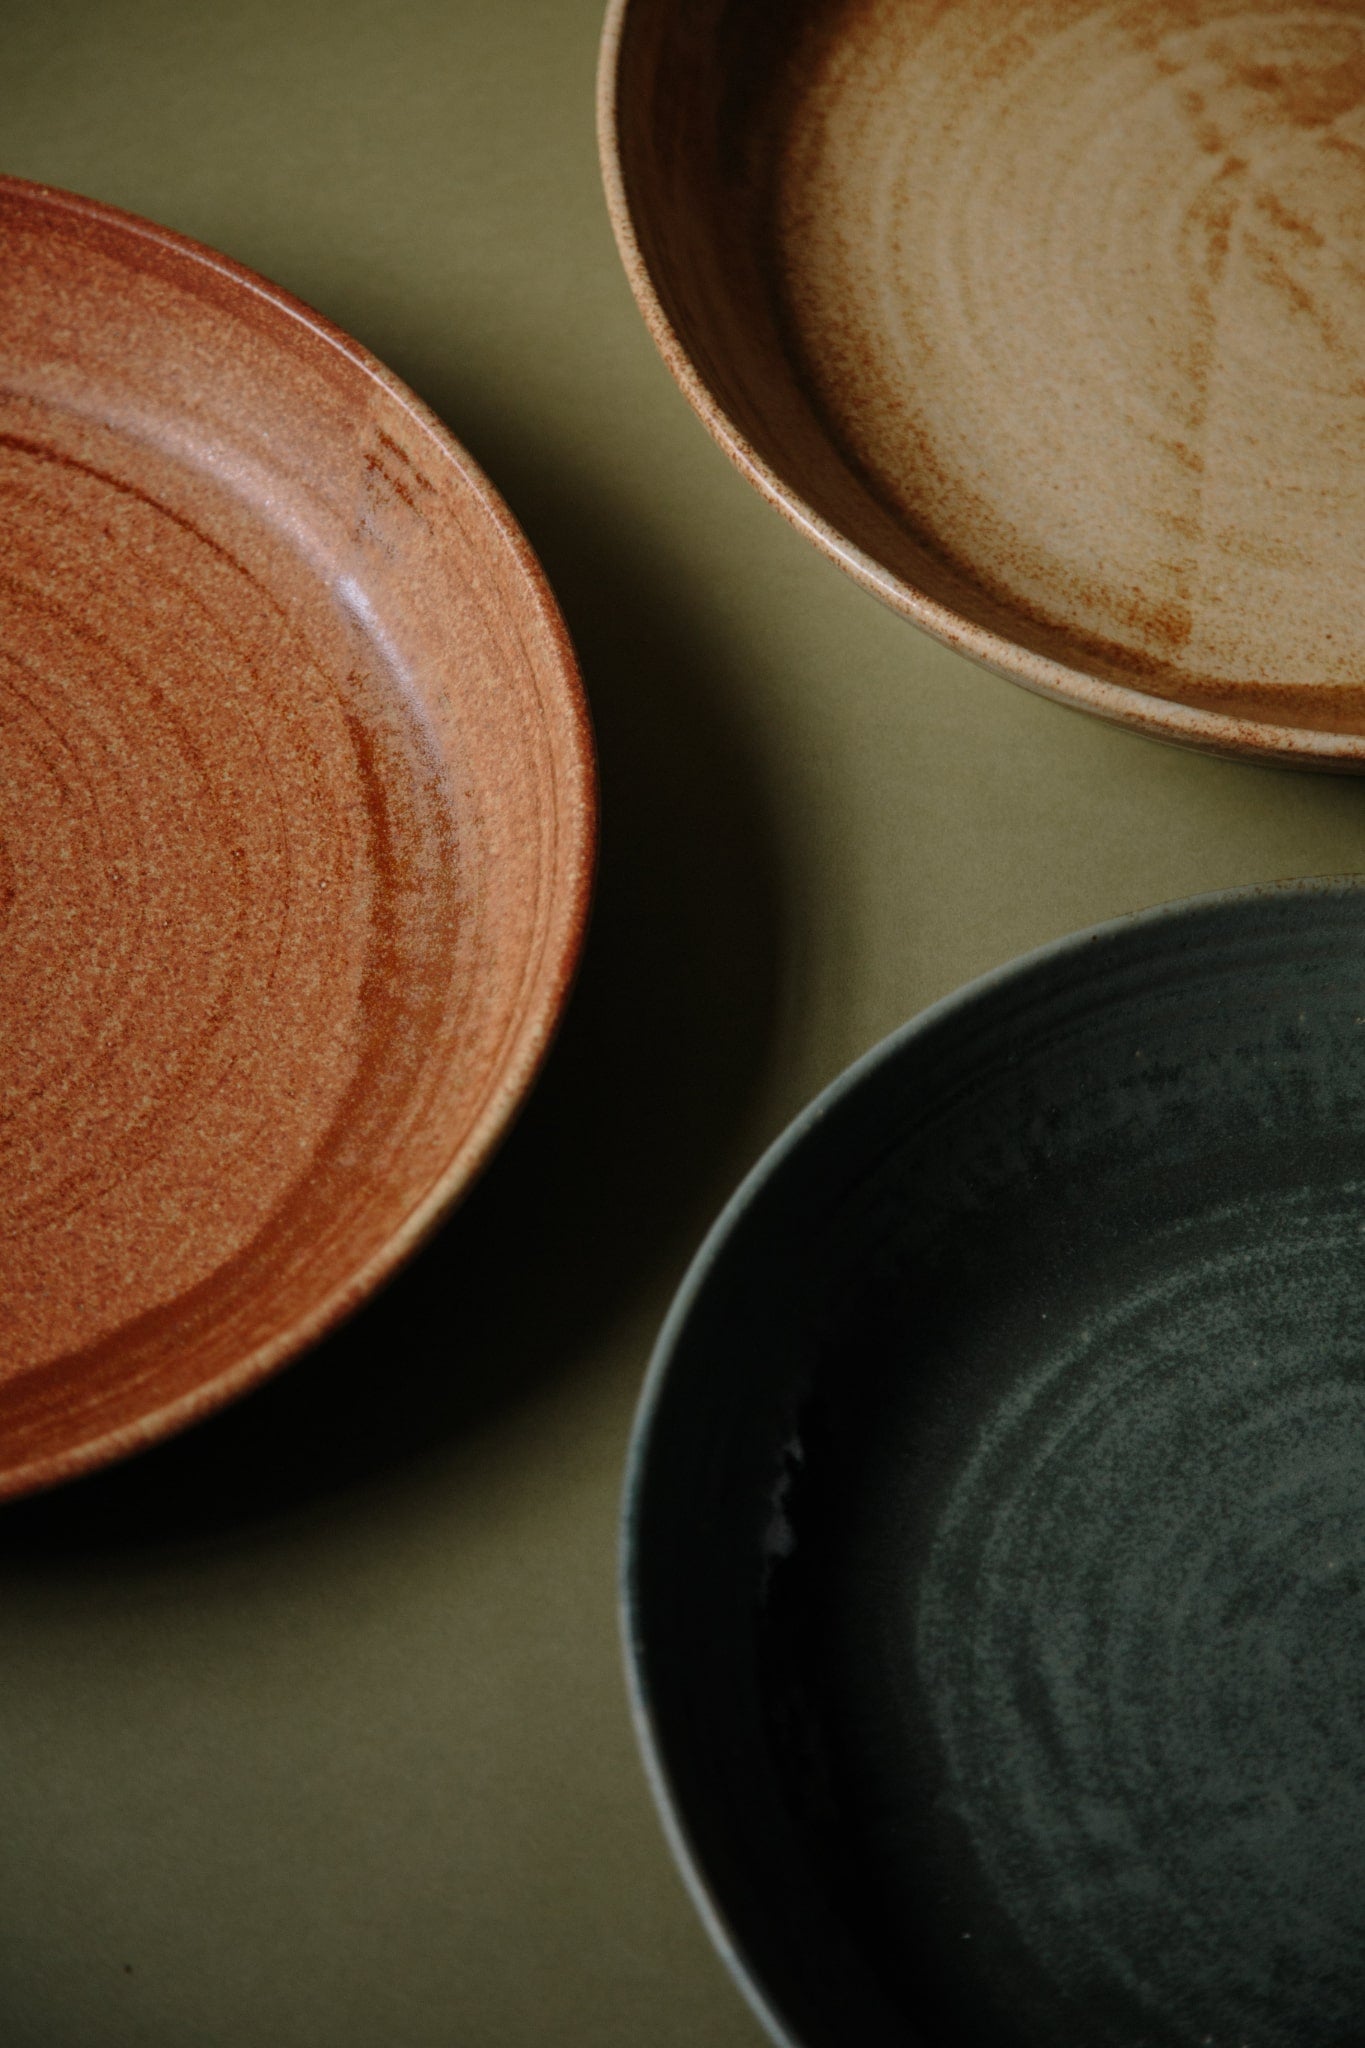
(1046, 318)
(297, 816)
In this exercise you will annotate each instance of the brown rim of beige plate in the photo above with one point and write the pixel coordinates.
(298, 817)
(1045, 319)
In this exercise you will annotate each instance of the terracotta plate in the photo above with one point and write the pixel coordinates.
(995, 1538)
(296, 827)
(1045, 318)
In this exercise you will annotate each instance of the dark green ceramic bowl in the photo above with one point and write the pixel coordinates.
(995, 1526)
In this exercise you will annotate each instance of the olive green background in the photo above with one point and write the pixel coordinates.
(312, 1728)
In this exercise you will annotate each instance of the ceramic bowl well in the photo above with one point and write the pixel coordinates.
(995, 1524)
(1043, 322)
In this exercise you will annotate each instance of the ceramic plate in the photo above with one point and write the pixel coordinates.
(296, 828)
(1045, 318)
(995, 1540)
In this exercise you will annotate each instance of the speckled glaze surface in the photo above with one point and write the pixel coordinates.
(995, 1536)
(1043, 316)
(297, 817)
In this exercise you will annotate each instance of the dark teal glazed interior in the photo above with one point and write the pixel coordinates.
(996, 1525)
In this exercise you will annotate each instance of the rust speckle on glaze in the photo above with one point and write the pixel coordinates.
(1046, 318)
(297, 822)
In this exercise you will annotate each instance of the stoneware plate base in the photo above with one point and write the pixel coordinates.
(296, 828)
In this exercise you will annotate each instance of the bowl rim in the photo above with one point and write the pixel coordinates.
(569, 881)
(770, 1164)
(1166, 718)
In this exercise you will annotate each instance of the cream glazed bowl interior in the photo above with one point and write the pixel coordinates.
(1044, 318)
